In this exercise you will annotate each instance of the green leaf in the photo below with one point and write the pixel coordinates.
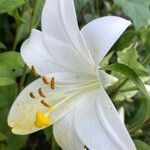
(129, 73)
(16, 15)
(2, 45)
(37, 10)
(11, 60)
(140, 145)
(147, 60)
(24, 27)
(106, 59)
(7, 96)
(48, 132)
(6, 81)
(80, 4)
(129, 57)
(125, 40)
(2, 137)
(136, 9)
(141, 117)
(4, 72)
(3, 101)
(12, 142)
(54, 145)
(6, 77)
(8, 5)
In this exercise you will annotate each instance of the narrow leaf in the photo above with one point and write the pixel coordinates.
(8, 5)
(129, 73)
(140, 145)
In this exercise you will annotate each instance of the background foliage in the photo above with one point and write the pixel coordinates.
(129, 60)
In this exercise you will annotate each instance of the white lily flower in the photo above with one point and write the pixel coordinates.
(70, 95)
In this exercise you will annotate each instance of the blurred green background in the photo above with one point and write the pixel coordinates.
(18, 17)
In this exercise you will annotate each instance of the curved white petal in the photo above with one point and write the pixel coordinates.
(98, 125)
(67, 57)
(106, 79)
(59, 21)
(34, 52)
(22, 114)
(121, 114)
(65, 134)
(101, 34)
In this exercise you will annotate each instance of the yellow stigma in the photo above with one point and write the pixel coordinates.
(42, 120)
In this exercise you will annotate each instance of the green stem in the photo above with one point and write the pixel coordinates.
(147, 60)
(137, 134)
(53, 145)
(112, 90)
(18, 28)
(98, 7)
(30, 14)
(23, 78)
(133, 88)
(36, 8)
(16, 41)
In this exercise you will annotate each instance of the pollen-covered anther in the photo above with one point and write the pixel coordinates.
(41, 93)
(45, 103)
(45, 80)
(42, 120)
(31, 95)
(52, 83)
(34, 71)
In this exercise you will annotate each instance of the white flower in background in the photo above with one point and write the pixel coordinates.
(147, 86)
(70, 93)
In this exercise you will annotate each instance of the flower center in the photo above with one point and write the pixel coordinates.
(43, 119)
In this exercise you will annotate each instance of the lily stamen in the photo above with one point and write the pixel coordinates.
(45, 103)
(31, 95)
(45, 80)
(52, 83)
(41, 93)
(33, 71)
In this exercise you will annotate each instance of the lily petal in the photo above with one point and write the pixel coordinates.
(121, 114)
(101, 34)
(117, 130)
(22, 114)
(106, 79)
(59, 21)
(67, 57)
(65, 134)
(98, 124)
(34, 52)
